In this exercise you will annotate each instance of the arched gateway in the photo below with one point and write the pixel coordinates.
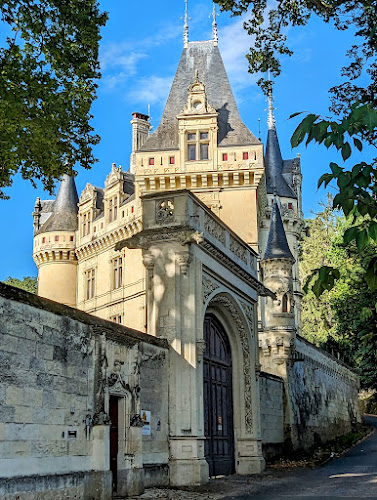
(218, 399)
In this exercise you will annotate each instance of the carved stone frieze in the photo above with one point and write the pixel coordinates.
(237, 270)
(239, 250)
(209, 286)
(214, 228)
(244, 337)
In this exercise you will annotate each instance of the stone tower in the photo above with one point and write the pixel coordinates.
(55, 225)
(279, 328)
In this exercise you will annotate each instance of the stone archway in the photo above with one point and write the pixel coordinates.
(218, 399)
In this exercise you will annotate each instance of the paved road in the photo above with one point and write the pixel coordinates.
(352, 476)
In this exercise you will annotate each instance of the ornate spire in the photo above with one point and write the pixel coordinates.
(186, 28)
(271, 118)
(214, 26)
(277, 245)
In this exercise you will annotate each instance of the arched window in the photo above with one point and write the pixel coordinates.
(285, 303)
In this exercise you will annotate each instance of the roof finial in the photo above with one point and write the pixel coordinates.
(214, 26)
(186, 28)
(271, 118)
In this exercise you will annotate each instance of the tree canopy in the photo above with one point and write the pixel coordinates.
(354, 104)
(48, 71)
(342, 320)
(28, 283)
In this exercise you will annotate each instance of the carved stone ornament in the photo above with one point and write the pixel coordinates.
(249, 313)
(183, 260)
(200, 349)
(208, 287)
(214, 228)
(165, 211)
(243, 334)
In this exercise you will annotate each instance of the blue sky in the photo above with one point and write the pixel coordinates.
(140, 50)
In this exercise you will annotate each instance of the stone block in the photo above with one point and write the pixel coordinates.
(44, 351)
(14, 449)
(23, 415)
(7, 413)
(14, 395)
(56, 448)
(33, 397)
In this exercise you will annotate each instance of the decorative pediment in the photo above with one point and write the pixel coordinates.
(197, 102)
(114, 176)
(88, 193)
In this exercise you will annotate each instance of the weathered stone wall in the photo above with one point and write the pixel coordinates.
(272, 413)
(54, 362)
(323, 396)
(154, 398)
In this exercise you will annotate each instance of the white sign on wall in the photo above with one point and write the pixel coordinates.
(146, 418)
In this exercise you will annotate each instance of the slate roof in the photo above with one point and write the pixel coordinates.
(206, 58)
(64, 208)
(276, 168)
(277, 244)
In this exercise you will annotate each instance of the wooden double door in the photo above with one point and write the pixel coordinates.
(218, 399)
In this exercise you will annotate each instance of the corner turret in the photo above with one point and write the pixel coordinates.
(278, 332)
(55, 225)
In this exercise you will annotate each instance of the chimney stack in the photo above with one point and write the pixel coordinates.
(140, 131)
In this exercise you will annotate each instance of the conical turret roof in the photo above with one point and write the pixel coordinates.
(273, 159)
(205, 58)
(64, 209)
(277, 244)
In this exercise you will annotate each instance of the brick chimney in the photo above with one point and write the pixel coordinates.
(140, 131)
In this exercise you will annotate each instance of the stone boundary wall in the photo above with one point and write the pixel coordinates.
(50, 377)
(271, 390)
(322, 394)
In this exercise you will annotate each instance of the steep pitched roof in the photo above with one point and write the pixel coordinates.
(64, 208)
(274, 167)
(206, 58)
(277, 244)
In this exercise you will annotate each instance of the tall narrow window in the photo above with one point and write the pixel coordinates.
(204, 145)
(117, 272)
(111, 210)
(90, 283)
(245, 156)
(84, 225)
(115, 208)
(285, 304)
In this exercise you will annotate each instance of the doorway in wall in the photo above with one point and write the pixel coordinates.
(218, 399)
(114, 439)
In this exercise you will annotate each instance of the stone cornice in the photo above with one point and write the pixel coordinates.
(109, 239)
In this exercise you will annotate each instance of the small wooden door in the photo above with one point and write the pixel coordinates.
(218, 400)
(114, 440)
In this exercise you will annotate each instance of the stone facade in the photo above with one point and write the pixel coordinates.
(59, 367)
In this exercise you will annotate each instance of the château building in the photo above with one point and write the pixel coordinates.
(197, 244)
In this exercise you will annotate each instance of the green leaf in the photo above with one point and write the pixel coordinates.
(326, 179)
(335, 169)
(358, 144)
(362, 239)
(296, 114)
(371, 274)
(346, 151)
(350, 234)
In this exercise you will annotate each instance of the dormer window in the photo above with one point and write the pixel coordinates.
(197, 146)
(113, 209)
(85, 226)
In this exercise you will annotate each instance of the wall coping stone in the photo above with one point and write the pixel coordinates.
(113, 331)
